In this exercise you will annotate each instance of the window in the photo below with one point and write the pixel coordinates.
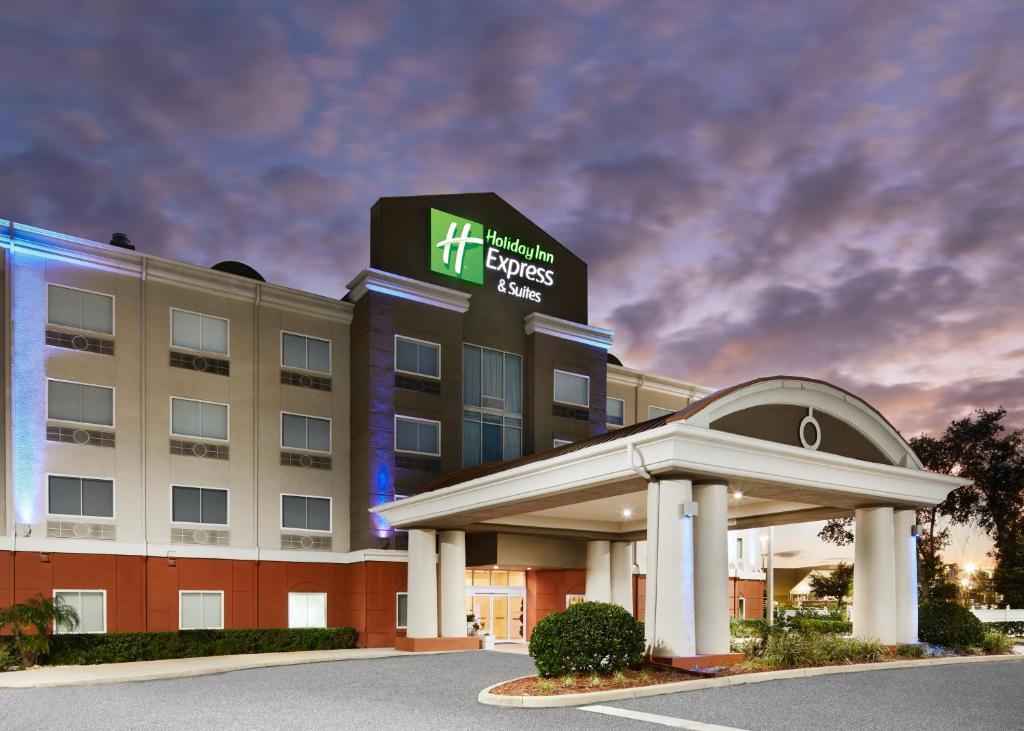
(492, 379)
(401, 610)
(306, 513)
(561, 443)
(83, 496)
(80, 309)
(200, 610)
(91, 607)
(80, 402)
(203, 419)
(420, 436)
(492, 395)
(741, 609)
(654, 412)
(417, 356)
(571, 599)
(305, 432)
(307, 609)
(199, 505)
(616, 411)
(302, 351)
(572, 388)
(199, 332)
(739, 549)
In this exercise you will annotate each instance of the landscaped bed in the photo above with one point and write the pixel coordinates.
(593, 647)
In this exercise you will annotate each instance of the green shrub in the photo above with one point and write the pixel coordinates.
(949, 625)
(747, 627)
(996, 643)
(797, 649)
(1013, 629)
(823, 625)
(88, 649)
(590, 637)
(9, 659)
(910, 651)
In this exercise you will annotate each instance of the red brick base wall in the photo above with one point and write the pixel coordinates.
(142, 593)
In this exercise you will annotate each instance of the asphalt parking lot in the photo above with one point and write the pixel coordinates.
(439, 692)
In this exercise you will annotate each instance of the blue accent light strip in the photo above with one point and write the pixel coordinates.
(28, 382)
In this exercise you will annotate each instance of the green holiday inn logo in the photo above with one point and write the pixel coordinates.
(456, 247)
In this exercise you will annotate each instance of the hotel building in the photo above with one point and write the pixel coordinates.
(192, 447)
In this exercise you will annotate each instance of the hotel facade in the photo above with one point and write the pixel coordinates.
(199, 448)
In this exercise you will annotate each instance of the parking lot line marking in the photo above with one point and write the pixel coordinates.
(671, 721)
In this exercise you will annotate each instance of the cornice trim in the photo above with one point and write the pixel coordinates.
(395, 285)
(596, 337)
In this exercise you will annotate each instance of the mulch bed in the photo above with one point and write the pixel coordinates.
(582, 683)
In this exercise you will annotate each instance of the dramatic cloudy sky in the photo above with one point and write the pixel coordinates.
(833, 189)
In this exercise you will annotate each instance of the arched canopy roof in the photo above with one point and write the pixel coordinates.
(775, 408)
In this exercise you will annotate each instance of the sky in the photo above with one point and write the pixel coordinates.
(832, 189)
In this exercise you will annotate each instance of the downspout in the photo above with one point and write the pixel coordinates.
(256, 441)
(145, 440)
(653, 518)
(9, 403)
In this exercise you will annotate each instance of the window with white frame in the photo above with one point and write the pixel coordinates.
(420, 357)
(91, 607)
(199, 505)
(80, 309)
(739, 548)
(572, 388)
(419, 436)
(304, 512)
(307, 609)
(615, 412)
(305, 352)
(80, 496)
(202, 419)
(299, 431)
(654, 412)
(80, 402)
(561, 443)
(200, 610)
(193, 331)
(741, 608)
(401, 610)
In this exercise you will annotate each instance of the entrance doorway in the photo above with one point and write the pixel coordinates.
(497, 598)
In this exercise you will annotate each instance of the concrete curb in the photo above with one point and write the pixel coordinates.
(190, 667)
(602, 696)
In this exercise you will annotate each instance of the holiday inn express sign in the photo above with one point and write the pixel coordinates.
(465, 249)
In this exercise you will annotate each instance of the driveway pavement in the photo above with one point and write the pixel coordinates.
(439, 692)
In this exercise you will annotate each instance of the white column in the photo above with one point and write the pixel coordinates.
(906, 573)
(711, 569)
(599, 571)
(669, 607)
(422, 619)
(622, 575)
(874, 581)
(453, 583)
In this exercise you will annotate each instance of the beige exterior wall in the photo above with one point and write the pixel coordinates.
(639, 391)
(141, 464)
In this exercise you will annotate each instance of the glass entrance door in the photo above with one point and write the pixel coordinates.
(501, 613)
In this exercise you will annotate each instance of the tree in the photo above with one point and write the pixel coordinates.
(29, 624)
(836, 585)
(981, 448)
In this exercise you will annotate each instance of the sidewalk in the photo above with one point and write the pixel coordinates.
(52, 677)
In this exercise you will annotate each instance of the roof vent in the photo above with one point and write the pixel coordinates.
(238, 269)
(122, 241)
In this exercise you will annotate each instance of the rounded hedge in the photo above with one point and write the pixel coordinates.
(949, 625)
(590, 637)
